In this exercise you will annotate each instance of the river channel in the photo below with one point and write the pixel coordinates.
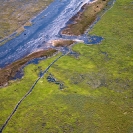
(45, 28)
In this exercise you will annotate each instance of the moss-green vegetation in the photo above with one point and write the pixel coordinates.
(15, 14)
(98, 93)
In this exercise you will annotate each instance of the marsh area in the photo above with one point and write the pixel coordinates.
(97, 93)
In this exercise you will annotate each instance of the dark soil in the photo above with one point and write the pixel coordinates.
(83, 19)
(10, 71)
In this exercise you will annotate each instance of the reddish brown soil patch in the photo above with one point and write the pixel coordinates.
(62, 43)
(10, 71)
(82, 20)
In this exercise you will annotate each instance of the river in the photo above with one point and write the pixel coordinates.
(45, 27)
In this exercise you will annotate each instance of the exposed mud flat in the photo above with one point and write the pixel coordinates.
(83, 19)
(62, 43)
(10, 71)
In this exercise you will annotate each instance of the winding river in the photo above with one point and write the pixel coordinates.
(45, 27)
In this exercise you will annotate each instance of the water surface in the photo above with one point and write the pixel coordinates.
(45, 27)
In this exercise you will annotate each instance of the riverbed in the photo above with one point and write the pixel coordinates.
(45, 28)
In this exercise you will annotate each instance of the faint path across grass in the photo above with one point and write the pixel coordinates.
(30, 90)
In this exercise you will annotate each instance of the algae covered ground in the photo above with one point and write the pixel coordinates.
(92, 93)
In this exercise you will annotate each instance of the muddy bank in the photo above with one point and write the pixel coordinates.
(81, 22)
(62, 43)
(10, 71)
(83, 19)
(15, 14)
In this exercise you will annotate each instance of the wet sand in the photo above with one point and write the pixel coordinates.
(62, 43)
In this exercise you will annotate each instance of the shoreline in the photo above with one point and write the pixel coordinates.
(62, 43)
(19, 18)
(45, 28)
(82, 20)
(9, 72)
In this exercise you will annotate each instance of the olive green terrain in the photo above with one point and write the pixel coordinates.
(17, 13)
(97, 92)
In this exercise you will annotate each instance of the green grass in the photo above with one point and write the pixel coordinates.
(98, 93)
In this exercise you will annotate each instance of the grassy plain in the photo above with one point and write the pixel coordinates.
(98, 93)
